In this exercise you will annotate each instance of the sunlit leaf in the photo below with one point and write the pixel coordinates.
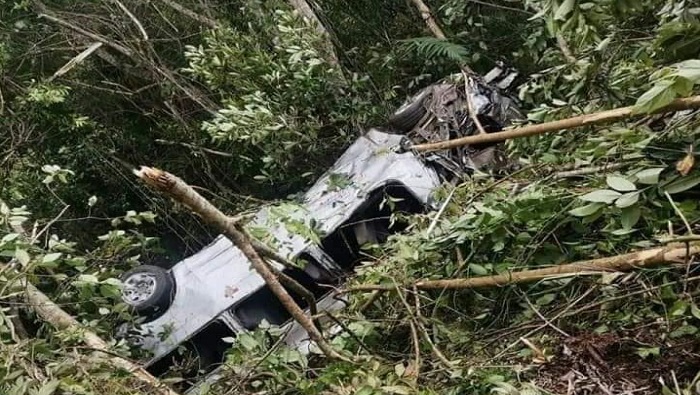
(586, 210)
(630, 216)
(564, 9)
(620, 184)
(649, 176)
(658, 96)
(682, 184)
(22, 256)
(627, 200)
(601, 196)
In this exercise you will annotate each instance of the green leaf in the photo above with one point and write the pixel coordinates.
(622, 232)
(248, 342)
(564, 9)
(679, 308)
(630, 216)
(649, 176)
(682, 184)
(645, 352)
(689, 69)
(48, 258)
(585, 211)
(601, 196)
(658, 96)
(627, 200)
(545, 299)
(479, 270)
(620, 184)
(399, 369)
(22, 256)
(49, 388)
(683, 330)
(694, 310)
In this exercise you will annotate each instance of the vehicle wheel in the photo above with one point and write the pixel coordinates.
(407, 116)
(148, 290)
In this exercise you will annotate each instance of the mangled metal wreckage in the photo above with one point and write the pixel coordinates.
(203, 301)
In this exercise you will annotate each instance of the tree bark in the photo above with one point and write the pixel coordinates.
(429, 20)
(598, 118)
(303, 8)
(191, 14)
(177, 189)
(675, 253)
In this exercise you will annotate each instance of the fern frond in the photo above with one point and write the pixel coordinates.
(434, 48)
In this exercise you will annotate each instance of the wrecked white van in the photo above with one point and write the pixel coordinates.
(205, 300)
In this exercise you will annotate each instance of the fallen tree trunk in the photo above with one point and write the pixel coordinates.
(598, 118)
(177, 189)
(635, 260)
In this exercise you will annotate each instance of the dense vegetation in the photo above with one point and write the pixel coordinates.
(246, 100)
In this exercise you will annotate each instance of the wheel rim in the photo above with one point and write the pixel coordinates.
(138, 288)
(420, 96)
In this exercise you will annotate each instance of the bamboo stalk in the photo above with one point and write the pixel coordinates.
(675, 253)
(177, 189)
(598, 118)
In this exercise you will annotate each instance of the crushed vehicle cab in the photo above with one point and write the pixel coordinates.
(201, 303)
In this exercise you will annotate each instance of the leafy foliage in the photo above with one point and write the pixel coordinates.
(254, 109)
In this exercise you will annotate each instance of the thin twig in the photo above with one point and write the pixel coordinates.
(195, 147)
(434, 222)
(539, 328)
(598, 118)
(589, 170)
(419, 326)
(133, 18)
(468, 88)
(680, 214)
(546, 321)
(123, 50)
(191, 14)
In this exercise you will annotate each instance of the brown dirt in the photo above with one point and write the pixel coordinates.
(609, 364)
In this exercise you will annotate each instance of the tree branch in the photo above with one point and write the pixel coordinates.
(191, 14)
(675, 253)
(598, 118)
(175, 188)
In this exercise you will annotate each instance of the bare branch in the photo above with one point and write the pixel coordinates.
(133, 18)
(598, 118)
(95, 37)
(191, 14)
(76, 60)
(674, 253)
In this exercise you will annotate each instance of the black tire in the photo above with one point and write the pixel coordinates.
(148, 290)
(413, 110)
